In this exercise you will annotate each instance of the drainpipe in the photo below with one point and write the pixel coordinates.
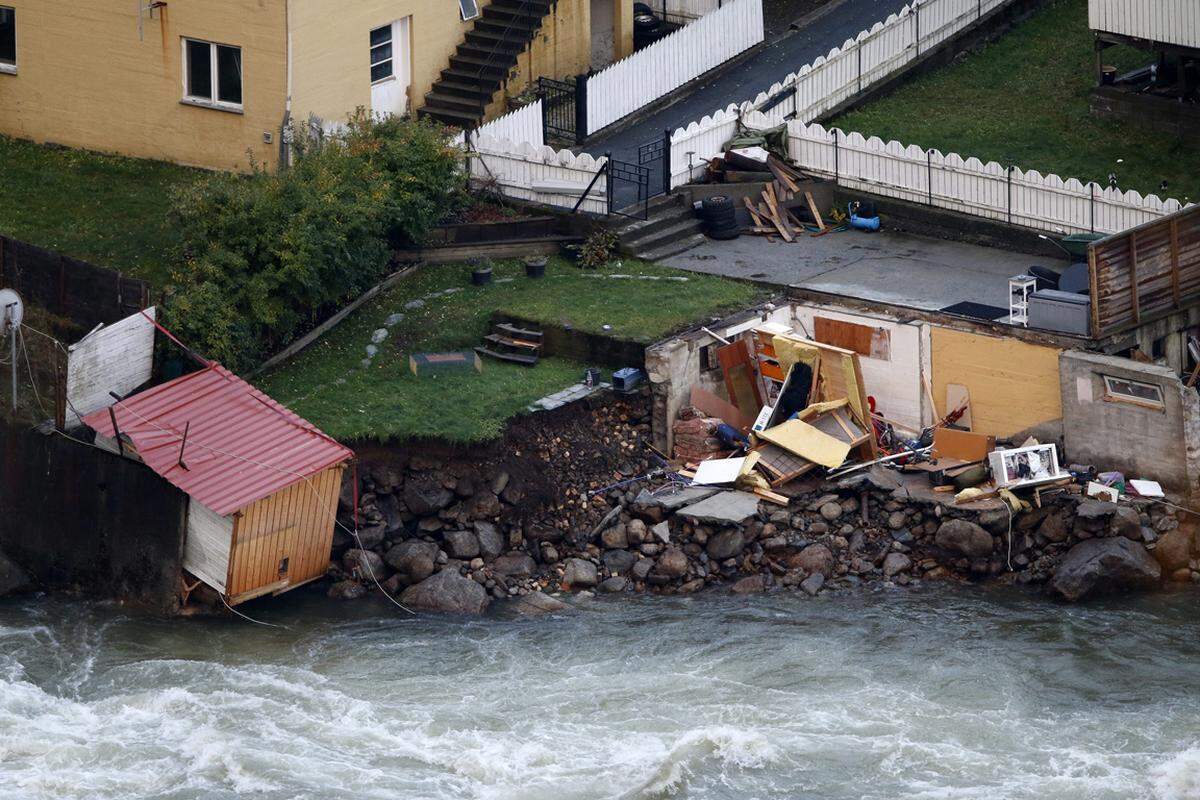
(285, 149)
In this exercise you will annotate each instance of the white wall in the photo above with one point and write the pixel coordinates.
(206, 548)
(1171, 21)
(116, 358)
(538, 173)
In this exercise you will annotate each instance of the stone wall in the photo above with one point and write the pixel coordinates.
(1139, 441)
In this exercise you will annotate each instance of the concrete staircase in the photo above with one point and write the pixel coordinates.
(671, 227)
(483, 61)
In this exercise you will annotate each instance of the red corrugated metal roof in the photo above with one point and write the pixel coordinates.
(241, 446)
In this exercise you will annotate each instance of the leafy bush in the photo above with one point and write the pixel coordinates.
(264, 255)
(597, 249)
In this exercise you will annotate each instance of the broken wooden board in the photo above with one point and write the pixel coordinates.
(950, 443)
(802, 439)
(711, 405)
(812, 207)
(780, 465)
(740, 382)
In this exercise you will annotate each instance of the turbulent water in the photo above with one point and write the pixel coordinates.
(938, 693)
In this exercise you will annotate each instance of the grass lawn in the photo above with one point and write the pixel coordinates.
(1023, 100)
(328, 385)
(109, 210)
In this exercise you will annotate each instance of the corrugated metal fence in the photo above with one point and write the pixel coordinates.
(648, 74)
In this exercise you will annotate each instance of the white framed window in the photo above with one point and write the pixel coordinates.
(8, 39)
(212, 75)
(1123, 390)
(468, 9)
(382, 66)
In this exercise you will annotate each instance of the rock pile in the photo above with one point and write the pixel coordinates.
(452, 531)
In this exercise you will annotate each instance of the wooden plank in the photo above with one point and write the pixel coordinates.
(812, 207)
(950, 443)
(1133, 278)
(758, 223)
(773, 205)
(1095, 286)
(1175, 260)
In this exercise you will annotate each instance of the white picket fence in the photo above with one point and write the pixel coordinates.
(622, 88)
(873, 55)
(523, 125)
(538, 173)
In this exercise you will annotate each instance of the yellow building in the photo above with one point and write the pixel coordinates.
(213, 83)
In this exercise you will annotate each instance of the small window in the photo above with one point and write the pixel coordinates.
(381, 54)
(212, 74)
(8, 39)
(1123, 390)
(469, 9)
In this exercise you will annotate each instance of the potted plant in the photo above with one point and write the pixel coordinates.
(535, 266)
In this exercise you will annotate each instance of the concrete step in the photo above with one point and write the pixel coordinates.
(637, 230)
(661, 237)
(674, 248)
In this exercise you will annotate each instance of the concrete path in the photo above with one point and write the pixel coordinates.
(888, 267)
(744, 80)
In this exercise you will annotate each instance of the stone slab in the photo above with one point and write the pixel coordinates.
(723, 508)
(675, 500)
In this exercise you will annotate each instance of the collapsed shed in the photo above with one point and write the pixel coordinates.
(262, 482)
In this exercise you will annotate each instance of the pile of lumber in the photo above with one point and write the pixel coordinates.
(783, 207)
(510, 343)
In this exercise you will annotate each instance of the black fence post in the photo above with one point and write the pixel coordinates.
(1092, 205)
(859, 49)
(581, 116)
(917, 26)
(836, 170)
(929, 174)
(608, 181)
(1008, 180)
(666, 162)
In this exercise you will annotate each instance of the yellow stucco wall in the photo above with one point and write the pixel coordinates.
(1013, 385)
(561, 49)
(331, 72)
(84, 79)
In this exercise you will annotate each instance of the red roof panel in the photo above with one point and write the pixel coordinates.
(241, 445)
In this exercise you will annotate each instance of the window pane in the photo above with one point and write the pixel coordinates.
(381, 35)
(229, 74)
(381, 53)
(468, 8)
(381, 70)
(8, 35)
(199, 70)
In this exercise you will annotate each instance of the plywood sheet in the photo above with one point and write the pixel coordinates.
(804, 440)
(739, 377)
(1014, 385)
(949, 443)
(720, 408)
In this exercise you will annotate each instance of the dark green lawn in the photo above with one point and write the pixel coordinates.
(109, 210)
(1023, 100)
(327, 384)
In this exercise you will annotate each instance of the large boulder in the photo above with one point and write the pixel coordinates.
(424, 498)
(964, 538)
(461, 544)
(1173, 550)
(13, 579)
(414, 559)
(673, 563)
(514, 565)
(580, 574)
(491, 543)
(536, 604)
(895, 563)
(1105, 566)
(364, 564)
(619, 562)
(447, 592)
(726, 544)
(814, 559)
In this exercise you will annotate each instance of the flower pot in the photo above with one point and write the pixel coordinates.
(535, 267)
(481, 276)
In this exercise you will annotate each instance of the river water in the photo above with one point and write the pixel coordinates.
(943, 692)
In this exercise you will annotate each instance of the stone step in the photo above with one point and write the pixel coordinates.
(674, 248)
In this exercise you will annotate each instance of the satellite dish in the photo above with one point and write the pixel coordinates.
(12, 310)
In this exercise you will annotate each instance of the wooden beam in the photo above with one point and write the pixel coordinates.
(1133, 279)
(1095, 289)
(1175, 260)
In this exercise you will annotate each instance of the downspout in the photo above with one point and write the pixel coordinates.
(285, 134)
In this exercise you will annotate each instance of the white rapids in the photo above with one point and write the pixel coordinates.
(951, 692)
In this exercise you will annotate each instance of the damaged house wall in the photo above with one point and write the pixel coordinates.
(1161, 444)
(1014, 385)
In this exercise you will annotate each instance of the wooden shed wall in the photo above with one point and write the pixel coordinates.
(206, 547)
(1146, 270)
(1013, 385)
(295, 523)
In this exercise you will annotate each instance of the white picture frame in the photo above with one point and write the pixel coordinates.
(1025, 466)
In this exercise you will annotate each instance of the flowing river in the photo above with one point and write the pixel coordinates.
(943, 692)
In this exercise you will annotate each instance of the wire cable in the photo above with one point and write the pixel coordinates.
(249, 618)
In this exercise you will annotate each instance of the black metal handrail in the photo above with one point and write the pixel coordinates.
(603, 169)
(483, 102)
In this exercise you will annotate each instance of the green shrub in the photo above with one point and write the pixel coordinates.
(265, 255)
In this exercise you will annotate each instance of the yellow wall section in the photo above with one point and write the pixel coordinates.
(331, 71)
(84, 79)
(1013, 385)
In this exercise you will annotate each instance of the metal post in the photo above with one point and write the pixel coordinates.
(608, 181)
(12, 335)
(1008, 179)
(1092, 205)
(666, 161)
(979, 10)
(859, 49)
(917, 27)
(836, 166)
(929, 174)
(581, 115)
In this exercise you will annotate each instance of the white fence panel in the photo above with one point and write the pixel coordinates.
(522, 125)
(116, 358)
(1171, 21)
(908, 172)
(539, 174)
(624, 87)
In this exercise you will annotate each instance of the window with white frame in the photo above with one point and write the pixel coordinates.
(468, 9)
(381, 54)
(1123, 390)
(212, 74)
(8, 39)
